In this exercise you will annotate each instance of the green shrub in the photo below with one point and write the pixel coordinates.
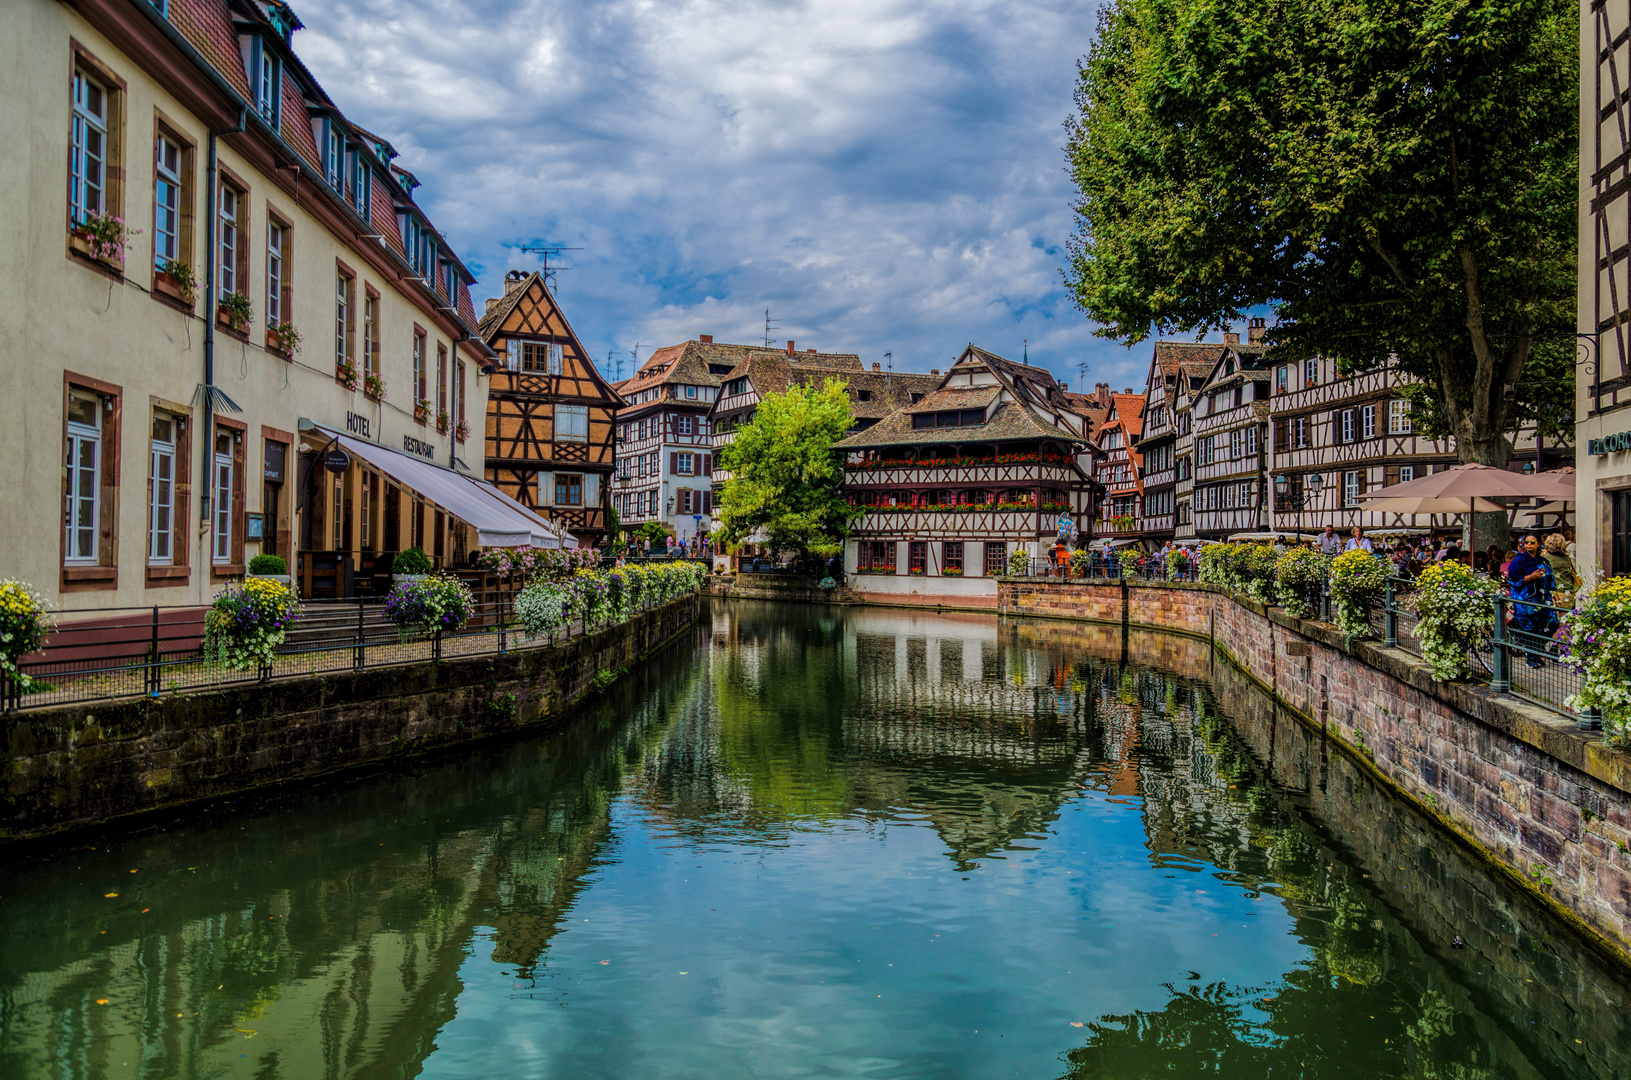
(268, 564)
(412, 561)
(1298, 575)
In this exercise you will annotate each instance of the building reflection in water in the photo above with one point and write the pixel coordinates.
(325, 935)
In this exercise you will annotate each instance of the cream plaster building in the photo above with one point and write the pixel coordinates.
(1603, 382)
(157, 440)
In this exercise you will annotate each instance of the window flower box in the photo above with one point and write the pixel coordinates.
(283, 338)
(421, 412)
(442, 421)
(951, 573)
(374, 386)
(233, 311)
(101, 238)
(175, 280)
(346, 374)
(461, 430)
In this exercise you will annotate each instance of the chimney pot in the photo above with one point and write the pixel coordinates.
(877, 367)
(809, 350)
(491, 301)
(513, 281)
(790, 349)
(1231, 339)
(1256, 329)
(934, 371)
(706, 339)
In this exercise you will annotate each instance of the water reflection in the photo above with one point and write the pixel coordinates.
(879, 843)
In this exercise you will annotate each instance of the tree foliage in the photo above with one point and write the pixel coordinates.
(785, 473)
(1391, 176)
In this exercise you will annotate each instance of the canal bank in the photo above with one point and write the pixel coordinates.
(1545, 803)
(87, 764)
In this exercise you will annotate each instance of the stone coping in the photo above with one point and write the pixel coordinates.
(1552, 733)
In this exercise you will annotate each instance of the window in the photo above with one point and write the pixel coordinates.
(541, 356)
(334, 153)
(161, 495)
(221, 492)
(878, 555)
(1398, 417)
(1368, 421)
(167, 200)
(682, 425)
(361, 184)
(572, 423)
(1352, 486)
(418, 367)
(1281, 375)
(1299, 432)
(229, 211)
(370, 332)
(690, 391)
(268, 87)
(1234, 444)
(1345, 428)
(458, 386)
(345, 299)
(951, 556)
(996, 559)
(568, 489)
(88, 141)
(1407, 473)
(277, 273)
(1251, 440)
(441, 381)
(84, 475)
(917, 557)
(682, 464)
(1311, 372)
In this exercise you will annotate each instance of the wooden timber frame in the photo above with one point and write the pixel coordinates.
(529, 454)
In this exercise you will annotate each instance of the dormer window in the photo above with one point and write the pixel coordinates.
(361, 183)
(333, 151)
(264, 75)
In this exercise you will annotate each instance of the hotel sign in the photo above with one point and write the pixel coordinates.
(1609, 444)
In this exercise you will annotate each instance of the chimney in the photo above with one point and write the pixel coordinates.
(810, 351)
(790, 349)
(1256, 329)
(934, 371)
(513, 281)
(706, 339)
(491, 302)
(1231, 338)
(1102, 392)
(877, 367)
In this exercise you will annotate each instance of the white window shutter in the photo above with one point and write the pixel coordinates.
(512, 350)
(546, 489)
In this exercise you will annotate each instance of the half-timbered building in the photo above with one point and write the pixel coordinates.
(1121, 470)
(665, 438)
(1355, 433)
(1171, 364)
(1230, 415)
(550, 415)
(1603, 297)
(988, 463)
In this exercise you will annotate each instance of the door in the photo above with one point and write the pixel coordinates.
(1620, 535)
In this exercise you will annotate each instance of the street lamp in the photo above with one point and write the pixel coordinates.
(1282, 490)
(1528, 468)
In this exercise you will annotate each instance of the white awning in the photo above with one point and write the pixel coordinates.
(499, 520)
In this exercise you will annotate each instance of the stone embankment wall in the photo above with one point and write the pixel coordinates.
(1549, 804)
(82, 764)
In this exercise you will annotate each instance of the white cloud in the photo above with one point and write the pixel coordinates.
(881, 175)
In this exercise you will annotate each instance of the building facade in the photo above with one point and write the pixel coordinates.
(994, 460)
(1229, 416)
(665, 437)
(1603, 300)
(215, 278)
(550, 416)
(1120, 515)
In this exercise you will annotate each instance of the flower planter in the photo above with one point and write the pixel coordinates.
(284, 579)
(172, 289)
(407, 579)
(274, 344)
(233, 326)
(80, 244)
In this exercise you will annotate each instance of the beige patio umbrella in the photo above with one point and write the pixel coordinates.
(1462, 490)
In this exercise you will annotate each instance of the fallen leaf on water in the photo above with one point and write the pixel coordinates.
(1076, 1023)
(605, 961)
(248, 1033)
(687, 973)
(101, 1001)
(133, 871)
(145, 910)
(110, 895)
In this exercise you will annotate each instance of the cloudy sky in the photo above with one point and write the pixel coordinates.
(882, 175)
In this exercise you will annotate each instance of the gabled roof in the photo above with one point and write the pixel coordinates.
(1171, 356)
(1009, 423)
(957, 397)
(528, 308)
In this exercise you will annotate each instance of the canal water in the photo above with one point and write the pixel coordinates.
(810, 842)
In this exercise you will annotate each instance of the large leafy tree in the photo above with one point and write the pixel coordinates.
(1390, 176)
(785, 473)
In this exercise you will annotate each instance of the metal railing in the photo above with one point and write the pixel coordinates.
(153, 651)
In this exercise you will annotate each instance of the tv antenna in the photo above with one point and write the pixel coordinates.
(769, 326)
(635, 354)
(544, 251)
(1081, 370)
(615, 364)
(889, 370)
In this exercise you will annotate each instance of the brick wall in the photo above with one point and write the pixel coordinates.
(1546, 803)
(81, 764)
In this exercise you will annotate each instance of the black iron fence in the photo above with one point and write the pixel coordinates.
(153, 651)
(1524, 653)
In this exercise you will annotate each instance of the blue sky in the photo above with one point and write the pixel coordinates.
(884, 176)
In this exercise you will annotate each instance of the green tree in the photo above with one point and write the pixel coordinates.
(785, 474)
(1390, 176)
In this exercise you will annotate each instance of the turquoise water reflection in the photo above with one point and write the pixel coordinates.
(814, 843)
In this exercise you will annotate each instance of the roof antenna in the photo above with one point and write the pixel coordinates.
(1081, 370)
(1027, 342)
(769, 327)
(616, 365)
(546, 250)
(889, 374)
(635, 353)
